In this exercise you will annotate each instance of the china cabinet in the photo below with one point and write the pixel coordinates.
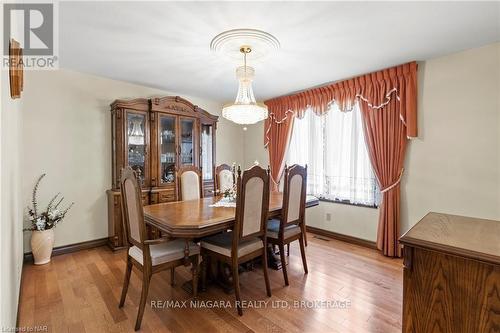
(156, 137)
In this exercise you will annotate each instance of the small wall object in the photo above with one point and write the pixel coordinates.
(16, 76)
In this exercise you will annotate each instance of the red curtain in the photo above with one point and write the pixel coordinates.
(386, 127)
(385, 138)
(388, 102)
(280, 131)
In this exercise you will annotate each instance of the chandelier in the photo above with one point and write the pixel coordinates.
(245, 110)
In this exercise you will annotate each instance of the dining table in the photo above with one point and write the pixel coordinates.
(195, 219)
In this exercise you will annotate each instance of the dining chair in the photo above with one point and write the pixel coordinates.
(224, 178)
(190, 183)
(148, 256)
(247, 240)
(290, 225)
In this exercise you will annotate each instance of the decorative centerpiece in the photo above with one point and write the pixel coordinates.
(42, 224)
(229, 194)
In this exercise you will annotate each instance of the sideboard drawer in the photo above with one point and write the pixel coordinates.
(167, 196)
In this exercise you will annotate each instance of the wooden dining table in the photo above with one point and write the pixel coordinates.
(195, 219)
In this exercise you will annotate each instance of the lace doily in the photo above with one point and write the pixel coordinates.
(224, 202)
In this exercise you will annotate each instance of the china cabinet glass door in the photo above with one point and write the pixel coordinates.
(167, 149)
(206, 152)
(136, 144)
(187, 139)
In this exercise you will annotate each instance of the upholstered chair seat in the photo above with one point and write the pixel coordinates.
(273, 227)
(164, 252)
(222, 243)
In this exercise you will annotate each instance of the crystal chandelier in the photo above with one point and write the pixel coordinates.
(245, 110)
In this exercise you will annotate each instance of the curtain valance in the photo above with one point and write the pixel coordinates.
(376, 89)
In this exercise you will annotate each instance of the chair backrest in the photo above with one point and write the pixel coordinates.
(252, 204)
(190, 183)
(224, 178)
(132, 210)
(294, 195)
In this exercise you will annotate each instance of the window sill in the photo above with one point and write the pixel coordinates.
(348, 203)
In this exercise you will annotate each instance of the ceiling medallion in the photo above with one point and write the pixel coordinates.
(250, 43)
(228, 43)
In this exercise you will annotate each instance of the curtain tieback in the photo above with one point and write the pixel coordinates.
(396, 183)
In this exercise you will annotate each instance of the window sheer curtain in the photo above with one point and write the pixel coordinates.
(306, 147)
(333, 147)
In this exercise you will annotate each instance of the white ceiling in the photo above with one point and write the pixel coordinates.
(166, 44)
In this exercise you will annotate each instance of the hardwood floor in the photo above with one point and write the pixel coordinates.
(79, 292)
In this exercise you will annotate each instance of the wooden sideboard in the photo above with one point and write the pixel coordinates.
(451, 275)
(156, 137)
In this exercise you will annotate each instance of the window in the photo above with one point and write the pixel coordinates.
(333, 147)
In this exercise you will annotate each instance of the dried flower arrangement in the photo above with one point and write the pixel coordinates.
(51, 216)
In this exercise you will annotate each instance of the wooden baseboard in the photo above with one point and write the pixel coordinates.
(71, 248)
(344, 238)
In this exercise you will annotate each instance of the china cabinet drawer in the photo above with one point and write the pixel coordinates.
(167, 196)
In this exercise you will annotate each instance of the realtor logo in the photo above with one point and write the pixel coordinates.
(34, 26)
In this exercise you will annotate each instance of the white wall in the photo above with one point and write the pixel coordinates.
(454, 164)
(67, 134)
(11, 241)
(11, 206)
(254, 146)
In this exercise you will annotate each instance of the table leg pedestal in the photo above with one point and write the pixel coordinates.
(273, 259)
(220, 274)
